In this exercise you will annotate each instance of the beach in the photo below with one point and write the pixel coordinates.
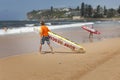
(99, 62)
(20, 59)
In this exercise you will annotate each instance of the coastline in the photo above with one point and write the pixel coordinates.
(15, 44)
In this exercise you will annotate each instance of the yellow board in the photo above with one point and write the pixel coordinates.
(67, 43)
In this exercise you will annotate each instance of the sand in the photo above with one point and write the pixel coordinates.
(100, 62)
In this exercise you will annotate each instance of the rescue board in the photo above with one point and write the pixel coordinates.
(65, 42)
(90, 30)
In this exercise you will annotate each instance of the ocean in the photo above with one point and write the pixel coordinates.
(13, 27)
(17, 23)
(27, 26)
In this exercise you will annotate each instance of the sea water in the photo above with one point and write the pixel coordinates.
(17, 27)
(107, 28)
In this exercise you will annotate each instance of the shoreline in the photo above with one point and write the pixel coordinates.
(29, 42)
(87, 19)
(57, 48)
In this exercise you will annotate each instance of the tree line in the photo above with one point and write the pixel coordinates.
(87, 11)
(84, 10)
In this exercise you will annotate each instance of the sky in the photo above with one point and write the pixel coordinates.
(17, 9)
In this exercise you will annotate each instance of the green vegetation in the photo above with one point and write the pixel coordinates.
(86, 11)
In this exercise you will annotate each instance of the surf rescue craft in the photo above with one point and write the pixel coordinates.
(64, 42)
(67, 43)
(90, 30)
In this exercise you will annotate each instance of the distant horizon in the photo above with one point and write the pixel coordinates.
(17, 10)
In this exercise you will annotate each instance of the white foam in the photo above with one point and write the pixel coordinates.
(31, 29)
